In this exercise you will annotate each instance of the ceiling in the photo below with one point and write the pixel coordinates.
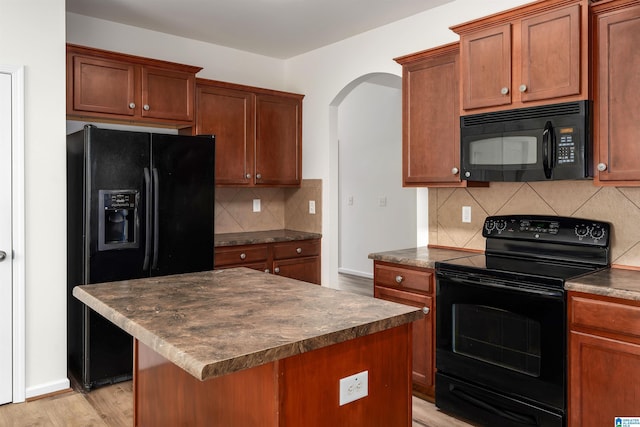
(275, 28)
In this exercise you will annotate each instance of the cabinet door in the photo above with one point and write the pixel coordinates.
(102, 86)
(278, 152)
(431, 128)
(423, 342)
(604, 375)
(305, 269)
(485, 60)
(167, 94)
(550, 50)
(617, 104)
(228, 114)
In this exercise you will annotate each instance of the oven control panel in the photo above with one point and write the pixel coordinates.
(555, 229)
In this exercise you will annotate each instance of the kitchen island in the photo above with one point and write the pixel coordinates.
(238, 347)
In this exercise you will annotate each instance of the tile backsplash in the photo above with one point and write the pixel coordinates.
(279, 208)
(581, 199)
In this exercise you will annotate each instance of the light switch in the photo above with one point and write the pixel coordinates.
(312, 207)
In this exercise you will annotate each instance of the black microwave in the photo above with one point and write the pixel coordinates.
(543, 143)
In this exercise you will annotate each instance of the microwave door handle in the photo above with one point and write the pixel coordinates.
(548, 149)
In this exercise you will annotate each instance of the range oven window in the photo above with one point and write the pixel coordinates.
(504, 150)
(498, 337)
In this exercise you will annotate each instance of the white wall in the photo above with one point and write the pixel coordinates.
(370, 168)
(218, 62)
(32, 34)
(323, 73)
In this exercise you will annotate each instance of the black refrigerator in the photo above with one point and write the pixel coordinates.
(138, 205)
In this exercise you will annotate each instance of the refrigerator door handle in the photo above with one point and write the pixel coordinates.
(156, 217)
(147, 245)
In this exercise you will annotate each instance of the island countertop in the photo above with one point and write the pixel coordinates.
(218, 322)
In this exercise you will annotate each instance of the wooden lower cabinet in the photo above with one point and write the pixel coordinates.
(604, 359)
(298, 259)
(413, 286)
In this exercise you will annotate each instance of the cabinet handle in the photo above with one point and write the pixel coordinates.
(522, 88)
(276, 270)
(258, 176)
(248, 176)
(243, 256)
(455, 170)
(132, 105)
(602, 167)
(399, 279)
(146, 107)
(504, 90)
(3, 255)
(266, 270)
(425, 310)
(298, 250)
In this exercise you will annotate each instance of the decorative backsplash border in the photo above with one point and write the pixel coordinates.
(581, 199)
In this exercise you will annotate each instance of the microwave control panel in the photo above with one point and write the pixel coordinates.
(566, 145)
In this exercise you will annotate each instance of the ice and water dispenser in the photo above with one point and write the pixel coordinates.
(118, 223)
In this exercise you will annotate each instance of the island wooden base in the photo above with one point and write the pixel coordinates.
(301, 390)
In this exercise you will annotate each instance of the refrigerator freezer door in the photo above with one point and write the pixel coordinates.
(183, 183)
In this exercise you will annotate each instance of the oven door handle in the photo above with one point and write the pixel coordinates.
(520, 288)
(501, 412)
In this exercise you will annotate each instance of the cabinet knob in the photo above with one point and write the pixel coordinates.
(399, 279)
(425, 310)
(455, 170)
(243, 256)
(258, 176)
(266, 270)
(522, 88)
(298, 250)
(248, 176)
(146, 107)
(602, 167)
(504, 90)
(276, 270)
(132, 105)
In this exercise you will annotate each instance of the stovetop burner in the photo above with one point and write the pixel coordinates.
(545, 249)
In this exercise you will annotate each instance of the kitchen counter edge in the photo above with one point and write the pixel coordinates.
(258, 237)
(423, 256)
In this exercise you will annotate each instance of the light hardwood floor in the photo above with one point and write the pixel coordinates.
(112, 406)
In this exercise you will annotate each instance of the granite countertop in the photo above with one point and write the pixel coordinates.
(612, 282)
(255, 237)
(419, 257)
(218, 322)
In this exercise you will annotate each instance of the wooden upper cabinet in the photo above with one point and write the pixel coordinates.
(430, 118)
(530, 55)
(228, 114)
(109, 86)
(278, 153)
(258, 133)
(616, 37)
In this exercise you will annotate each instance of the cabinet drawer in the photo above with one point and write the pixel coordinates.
(403, 277)
(297, 249)
(241, 255)
(605, 315)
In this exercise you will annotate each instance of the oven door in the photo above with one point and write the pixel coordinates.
(508, 340)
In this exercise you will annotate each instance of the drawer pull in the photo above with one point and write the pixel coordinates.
(298, 250)
(399, 279)
(243, 256)
(276, 270)
(425, 310)
(266, 270)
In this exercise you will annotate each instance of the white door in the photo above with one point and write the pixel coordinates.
(6, 349)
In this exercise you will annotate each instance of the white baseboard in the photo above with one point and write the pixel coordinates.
(51, 387)
(355, 273)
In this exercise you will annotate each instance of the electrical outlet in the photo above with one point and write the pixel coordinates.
(256, 205)
(350, 201)
(312, 207)
(354, 387)
(466, 214)
(382, 201)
